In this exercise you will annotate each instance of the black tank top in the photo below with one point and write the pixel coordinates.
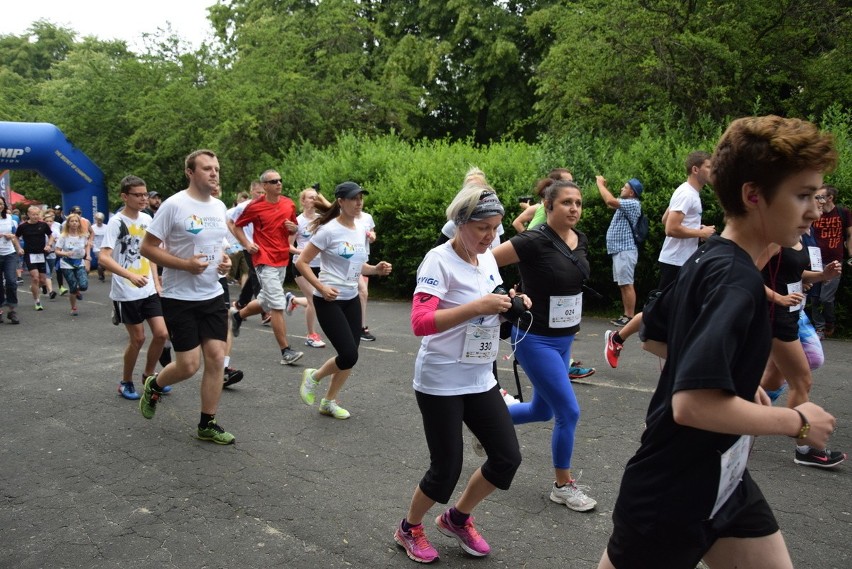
(786, 268)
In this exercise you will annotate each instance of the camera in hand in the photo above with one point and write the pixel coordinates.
(525, 199)
(517, 309)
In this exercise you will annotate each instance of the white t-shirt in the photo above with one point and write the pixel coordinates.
(449, 230)
(686, 200)
(234, 214)
(7, 225)
(98, 231)
(366, 220)
(439, 369)
(55, 230)
(343, 254)
(303, 236)
(76, 246)
(188, 227)
(125, 244)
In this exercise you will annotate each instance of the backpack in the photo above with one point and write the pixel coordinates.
(641, 229)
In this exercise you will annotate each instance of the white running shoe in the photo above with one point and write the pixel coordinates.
(573, 496)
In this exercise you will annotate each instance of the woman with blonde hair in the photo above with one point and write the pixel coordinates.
(298, 242)
(455, 309)
(72, 248)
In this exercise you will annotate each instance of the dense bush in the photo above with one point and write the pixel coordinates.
(411, 184)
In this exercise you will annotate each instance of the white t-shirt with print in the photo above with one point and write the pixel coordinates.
(303, 236)
(98, 231)
(76, 246)
(189, 227)
(686, 200)
(343, 254)
(125, 244)
(7, 225)
(439, 369)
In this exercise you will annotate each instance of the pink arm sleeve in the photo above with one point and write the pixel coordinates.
(423, 309)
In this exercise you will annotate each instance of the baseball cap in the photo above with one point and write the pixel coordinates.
(76, 209)
(153, 194)
(637, 186)
(348, 190)
(57, 207)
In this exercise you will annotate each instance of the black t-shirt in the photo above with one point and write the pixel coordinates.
(784, 269)
(717, 330)
(35, 236)
(546, 272)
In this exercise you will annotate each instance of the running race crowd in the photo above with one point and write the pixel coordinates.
(728, 318)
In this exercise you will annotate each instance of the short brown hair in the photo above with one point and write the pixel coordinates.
(696, 159)
(131, 181)
(189, 162)
(764, 151)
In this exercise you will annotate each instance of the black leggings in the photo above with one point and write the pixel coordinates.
(341, 322)
(487, 417)
(251, 287)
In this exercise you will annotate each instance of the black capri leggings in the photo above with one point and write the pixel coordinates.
(487, 417)
(341, 322)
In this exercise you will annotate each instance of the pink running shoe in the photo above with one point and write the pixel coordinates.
(416, 544)
(467, 536)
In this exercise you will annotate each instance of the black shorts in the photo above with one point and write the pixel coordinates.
(40, 267)
(191, 321)
(682, 546)
(133, 312)
(785, 324)
(296, 272)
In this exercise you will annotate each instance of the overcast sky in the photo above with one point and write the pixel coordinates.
(113, 19)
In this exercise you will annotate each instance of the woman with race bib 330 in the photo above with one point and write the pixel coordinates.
(456, 312)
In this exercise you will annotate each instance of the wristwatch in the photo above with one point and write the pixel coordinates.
(806, 427)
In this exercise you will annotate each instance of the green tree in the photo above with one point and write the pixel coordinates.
(471, 60)
(613, 62)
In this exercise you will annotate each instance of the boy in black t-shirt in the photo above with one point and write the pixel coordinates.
(687, 494)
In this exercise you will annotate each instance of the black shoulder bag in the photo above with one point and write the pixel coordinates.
(563, 248)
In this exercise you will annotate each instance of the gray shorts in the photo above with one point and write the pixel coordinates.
(271, 296)
(623, 264)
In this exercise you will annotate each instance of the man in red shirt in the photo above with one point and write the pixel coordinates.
(274, 220)
(833, 234)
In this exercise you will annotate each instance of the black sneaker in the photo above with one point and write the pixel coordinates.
(819, 458)
(366, 336)
(232, 376)
(52, 294)
(43, 289)
(12, 317)
(621, 321)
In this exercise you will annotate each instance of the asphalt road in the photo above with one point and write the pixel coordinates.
(87, 482)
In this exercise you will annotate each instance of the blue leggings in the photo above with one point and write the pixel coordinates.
(545, 360)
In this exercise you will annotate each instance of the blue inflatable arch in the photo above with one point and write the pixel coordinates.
(44, 148)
